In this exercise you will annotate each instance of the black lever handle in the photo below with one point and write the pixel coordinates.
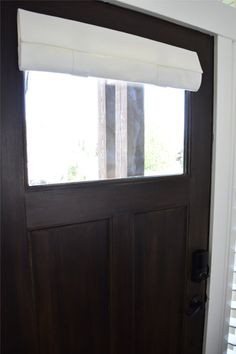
(195, 306)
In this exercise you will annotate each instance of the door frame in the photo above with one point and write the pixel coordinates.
(224, 146)
(224, 143)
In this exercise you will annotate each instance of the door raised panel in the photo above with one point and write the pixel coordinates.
(71, 282)
(160, 253)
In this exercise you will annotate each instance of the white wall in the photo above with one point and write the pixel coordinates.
(215, 18)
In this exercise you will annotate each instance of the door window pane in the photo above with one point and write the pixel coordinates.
(85, 129)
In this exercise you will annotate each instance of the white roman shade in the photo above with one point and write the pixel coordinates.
(53, 44)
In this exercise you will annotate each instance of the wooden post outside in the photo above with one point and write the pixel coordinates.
(135, 129)
(110, 92)
(121, 129)
(102, 164)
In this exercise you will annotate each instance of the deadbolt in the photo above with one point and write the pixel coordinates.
(200, 267)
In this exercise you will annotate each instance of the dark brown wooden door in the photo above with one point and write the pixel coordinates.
(103, 267)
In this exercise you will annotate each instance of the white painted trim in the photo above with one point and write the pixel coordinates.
(222, 184)
(232, 239)
(205, 15)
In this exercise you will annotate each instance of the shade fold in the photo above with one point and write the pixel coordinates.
(47, 43)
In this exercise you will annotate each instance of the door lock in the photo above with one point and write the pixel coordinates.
(200, 267)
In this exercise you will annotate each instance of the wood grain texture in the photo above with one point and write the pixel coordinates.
(160, 259)
(71, 269)
(122, 285)
(57, 205)
(18, 327)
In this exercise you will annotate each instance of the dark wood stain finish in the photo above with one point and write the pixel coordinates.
(122, 285)
(160, 254)
(103, 267)
(72, 263)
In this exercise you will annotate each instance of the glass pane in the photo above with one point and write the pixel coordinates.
(85, 129)
(230, 2)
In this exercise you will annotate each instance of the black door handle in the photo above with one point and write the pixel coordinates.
(195, 306)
